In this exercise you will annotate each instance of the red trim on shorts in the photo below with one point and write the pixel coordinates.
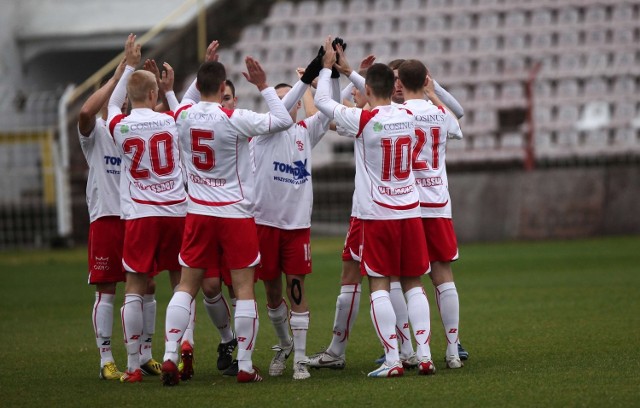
(213, 203)
(159, 202)
(398, 207)
(434, 205)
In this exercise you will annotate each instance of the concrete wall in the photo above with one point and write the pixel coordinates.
(546, 203)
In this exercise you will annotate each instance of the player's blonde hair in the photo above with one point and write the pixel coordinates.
(139, 85)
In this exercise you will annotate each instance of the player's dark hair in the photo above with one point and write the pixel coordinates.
(395, 63)
(282, 85)
(210, 76)
(412, 73)
(232, 86)
(380, 79)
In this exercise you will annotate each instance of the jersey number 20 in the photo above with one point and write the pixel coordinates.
(160, 154)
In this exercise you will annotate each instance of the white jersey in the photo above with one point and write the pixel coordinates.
(148, 144)
(215, 146)
(284, 194)
(103, 158)
(385, 185)
(434, 125)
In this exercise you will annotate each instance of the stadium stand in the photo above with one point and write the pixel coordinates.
(584, 102)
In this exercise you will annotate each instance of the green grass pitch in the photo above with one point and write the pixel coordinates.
(546, 324)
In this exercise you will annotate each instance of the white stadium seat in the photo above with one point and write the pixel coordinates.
(595, 115)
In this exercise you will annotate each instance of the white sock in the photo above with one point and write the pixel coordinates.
(402, 320)
(218, 311)
(177, 320)
(246, 324)
(149, 307)
(347, 308)
(132, 324)
(102, 317)
(280, 319)
(188, 332)
(449, 305)
(384, 321)
(418, 307)
(299, 328)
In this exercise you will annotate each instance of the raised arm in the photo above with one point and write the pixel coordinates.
(119, 95)
(448, 100)
(95, 103)
(279, 118)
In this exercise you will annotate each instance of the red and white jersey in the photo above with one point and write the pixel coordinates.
(148, 144)
(434, 125)
(284, 194)
(385, 185)
(215, 145)
(103, 158)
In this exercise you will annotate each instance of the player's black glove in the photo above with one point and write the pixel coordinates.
(334, 72)
(313, 69)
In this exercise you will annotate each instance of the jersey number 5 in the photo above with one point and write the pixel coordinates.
(160, 154)
(203, 156)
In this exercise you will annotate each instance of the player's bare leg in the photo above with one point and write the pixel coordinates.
(219, 312)
(278, 312)
(246, 322)
(449, 306)
(299, 322)
(418, 310)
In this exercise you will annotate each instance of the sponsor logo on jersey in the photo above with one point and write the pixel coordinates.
(295, 173)
(429, 118)
(395, 191)
(156, 188)
(152, 125)
(429, 181)
(377, 127)
(209, 182)
(124, 129)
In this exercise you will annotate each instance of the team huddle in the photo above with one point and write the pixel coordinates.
(215, 194)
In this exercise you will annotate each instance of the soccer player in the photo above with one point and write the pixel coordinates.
(388, 205)
(153, 201)
(106, 229)
(220, 228)
(284, 200)
(434, 124)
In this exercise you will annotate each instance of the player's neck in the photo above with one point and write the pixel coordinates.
(412, 95)
(211, 98)
(375, 102)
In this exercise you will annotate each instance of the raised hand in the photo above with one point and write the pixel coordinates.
(255, 74)
(120, 70)
(313, 69)
(165, 82)
(132, 51)
(341, 65)
(367, 62)
(150, 65)
(212, 49)
(329, 57)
